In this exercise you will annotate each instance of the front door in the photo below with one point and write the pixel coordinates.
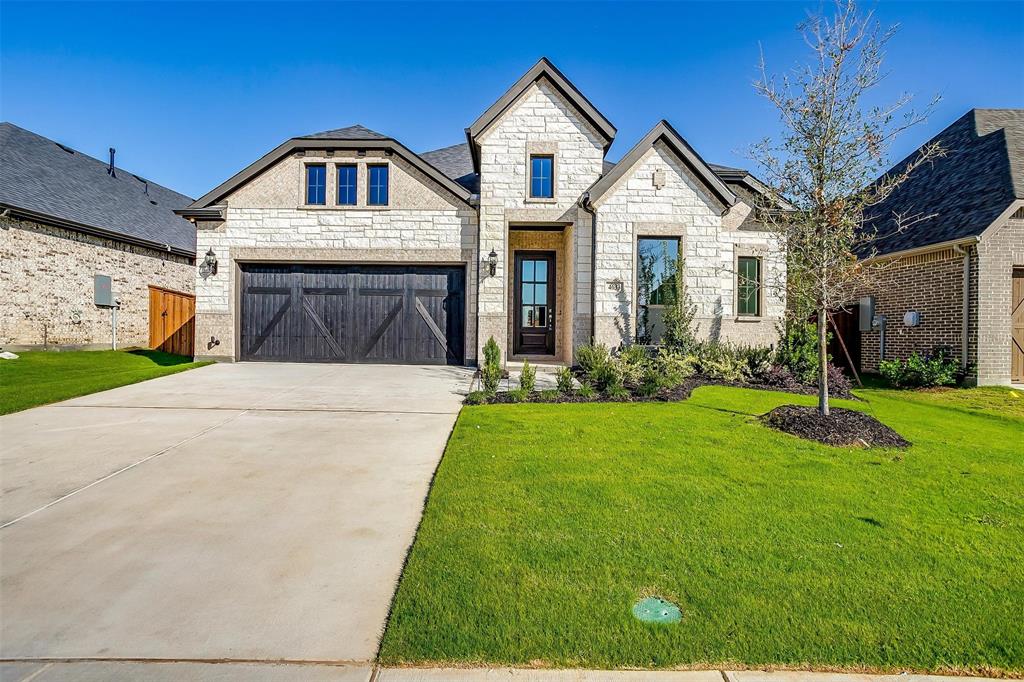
(535, 303)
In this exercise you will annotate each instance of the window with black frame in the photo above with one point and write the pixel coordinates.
(748, 286)
(657, 263)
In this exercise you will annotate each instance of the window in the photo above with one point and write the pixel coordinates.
(656, 265)
(316, 184)
(378, 186)
(748, 286)
(347, 175)
(541, 181)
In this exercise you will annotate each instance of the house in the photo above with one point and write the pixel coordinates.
(954, 276)
(347, 246)
(84, 245)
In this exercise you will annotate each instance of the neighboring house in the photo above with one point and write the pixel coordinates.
(347, 246)
(954, 276)
(64, 219)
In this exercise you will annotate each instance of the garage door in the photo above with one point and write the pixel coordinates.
(352, 313)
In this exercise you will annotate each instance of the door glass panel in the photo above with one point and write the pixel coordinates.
(527, 315)
(542, 317)
(527, 293)
(542, 271)
(541, 293)
(527, 270)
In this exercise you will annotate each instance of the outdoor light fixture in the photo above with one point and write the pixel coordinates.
(492, 261)
(209, 265)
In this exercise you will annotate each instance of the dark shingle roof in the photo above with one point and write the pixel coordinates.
(964, 192)
(354, 132)
(39, 176)
(455, 162)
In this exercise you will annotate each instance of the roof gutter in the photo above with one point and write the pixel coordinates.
(939, 246)
(46, 219)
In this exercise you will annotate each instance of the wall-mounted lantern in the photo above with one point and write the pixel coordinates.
(492, 262)
(209, 265)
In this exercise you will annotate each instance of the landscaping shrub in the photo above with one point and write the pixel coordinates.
(757, 362)
(674, 367)
(490, 373)
(618, 392)
(517, 395)
(586, 391)
(563, 380)
(527, 377)
(606, 376)
(720, 361)
(631, 363)
(838, 383)
(680, 332)
(591, 356)
(548, 396)
(477, 398)
(937, 368)
(798, 350)
(778, 376)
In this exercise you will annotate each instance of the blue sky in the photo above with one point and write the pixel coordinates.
(191, 93)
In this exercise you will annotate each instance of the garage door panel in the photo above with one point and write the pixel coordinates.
(331, 313)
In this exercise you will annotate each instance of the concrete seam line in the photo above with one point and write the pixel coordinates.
(298, 662)
(250, 409)
(375, 674)
(123, 469)
(37, 673)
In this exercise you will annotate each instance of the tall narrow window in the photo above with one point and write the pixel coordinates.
(378, 186)
(541, 181)
(748, 286)
(656, 268)
(347, 185)
(316, 184)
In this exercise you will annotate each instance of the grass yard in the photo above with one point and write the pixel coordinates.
(41, 377)
(547, 522)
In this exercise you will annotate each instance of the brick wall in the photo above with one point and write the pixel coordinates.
(932, 285)
(46, 274)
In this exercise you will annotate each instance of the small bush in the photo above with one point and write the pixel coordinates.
(517, 395)
(838, 382)
(548, 396)
(720, 361)
(527, 377)
(477, 398)
(757, 362)
(798, 350)
(651, 382)
(674, 367)
(937, 368)
(631, 362)
(778, 376)
(490, 373)
(586, 391)
(619, 392)
(591, 356)
(563, 380)
(605, 376)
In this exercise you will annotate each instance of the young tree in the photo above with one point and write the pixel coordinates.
(825, 161)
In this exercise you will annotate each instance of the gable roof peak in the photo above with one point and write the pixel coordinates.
(542, 69)
(664, 131)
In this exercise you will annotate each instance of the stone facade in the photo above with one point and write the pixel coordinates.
(46, 274)
(539, 122)
(267, 220)
(680, 207)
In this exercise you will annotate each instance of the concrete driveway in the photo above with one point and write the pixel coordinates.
(247, 512)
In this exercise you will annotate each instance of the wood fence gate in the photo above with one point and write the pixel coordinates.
(172, 321)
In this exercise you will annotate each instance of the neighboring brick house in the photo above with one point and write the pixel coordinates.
(960, 263)
(65, 218)
(347, 246)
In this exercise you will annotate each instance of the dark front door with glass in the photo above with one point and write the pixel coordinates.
(535, 304)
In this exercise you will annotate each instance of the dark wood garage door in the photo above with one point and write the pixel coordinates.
(353, 313)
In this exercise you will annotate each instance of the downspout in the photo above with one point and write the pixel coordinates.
(475, 202)
(965, 323)
(587, 206)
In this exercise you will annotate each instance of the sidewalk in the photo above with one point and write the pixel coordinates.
(125, 671)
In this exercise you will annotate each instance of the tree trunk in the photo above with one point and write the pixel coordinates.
(822, 362)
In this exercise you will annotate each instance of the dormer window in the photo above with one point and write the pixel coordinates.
(542, 184)
(316, 184)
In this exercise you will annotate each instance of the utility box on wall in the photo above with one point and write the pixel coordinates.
(103, 292)
(866, 308)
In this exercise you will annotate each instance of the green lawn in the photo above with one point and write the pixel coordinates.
(547, 522)
(41, 377)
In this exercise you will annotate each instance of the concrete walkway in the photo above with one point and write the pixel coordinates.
(235, 512)
(256, 672)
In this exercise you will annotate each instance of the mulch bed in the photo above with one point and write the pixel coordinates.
(841, 427)
(665, 395)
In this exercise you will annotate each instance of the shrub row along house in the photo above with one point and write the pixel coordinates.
(347, 246)
(954, 275)
(85, 245)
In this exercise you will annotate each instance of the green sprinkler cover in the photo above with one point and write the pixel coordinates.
(657, 610)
